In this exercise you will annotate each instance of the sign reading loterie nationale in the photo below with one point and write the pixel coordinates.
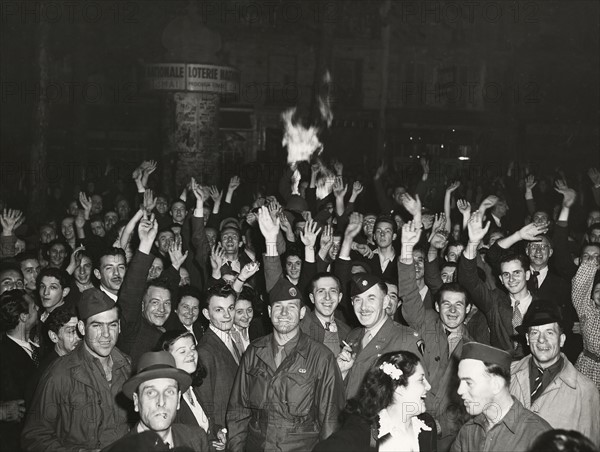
(206, 78)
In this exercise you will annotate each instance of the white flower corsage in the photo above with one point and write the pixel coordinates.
(392, 371)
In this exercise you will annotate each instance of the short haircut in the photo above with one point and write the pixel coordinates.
(320, 275)
(559, 440)
(96, 218)
(187, 291)
(64, 279)
(509, 257)
(160, 282)
(59, 241)
(165, 229)
(291, 251)
(26, 255)
(220, 289)
(11, 266)
(59, 317)
(110, 251)
(495, 369)
(13, 303)
(452, 287)
(386, 219)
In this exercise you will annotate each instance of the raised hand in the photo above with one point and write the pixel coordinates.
(339, 189)
(594, 176)
(217, 257)
(234, 183)
(464, 207)
(326, 238)
(531, 231)
(175, 253)
(148, 168)
(476, 229)
(439, 223)
(453, 186)
(274, 209)
(530, 182)
(147, 229)
(569, 195)
(412, 205)
(357, 189)
(354, 226)
(364, 250)
(198, 193)
(306, 215)
(248, 271)
(310, 233)
(80, 220)
(411, 233)
(269, 227)
(284, 223)
(149, 201)
(215, 194)
(10, 220)
(488, 202)
(86, 203)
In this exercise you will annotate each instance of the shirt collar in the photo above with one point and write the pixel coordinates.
(375, 328)
(423, 292)
(289, 346)
(225, 336)
(112, 296)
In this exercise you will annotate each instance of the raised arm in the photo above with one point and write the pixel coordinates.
(269, 228)
(413, 309)
(581, 289)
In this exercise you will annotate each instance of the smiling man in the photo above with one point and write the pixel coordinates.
(96, 367)
(444, 334)
(288, 391)
(499, 422)
(110, 270)
(547, 383)
(378, 334)
(321, 324)
(218, 351)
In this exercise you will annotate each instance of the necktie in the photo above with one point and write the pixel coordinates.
(190, 398)
(517, 316)
(533, 283)
(237, 341)
(537, 384)
(35, 355)
(279, 355)
(233, 349)
(366, 340)
(331, 326)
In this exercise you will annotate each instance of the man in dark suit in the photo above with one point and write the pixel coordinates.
(18, 315)
(321, 324)
(379, 334)
(145, 307)
(218, 351)
(156, 392)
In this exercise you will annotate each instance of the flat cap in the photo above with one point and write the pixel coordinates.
(486, 353)
(93, 301)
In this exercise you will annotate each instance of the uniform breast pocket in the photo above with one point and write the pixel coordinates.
(300, 394)
(257, 380)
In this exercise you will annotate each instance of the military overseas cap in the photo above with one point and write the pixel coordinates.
(361, 282)
(541, 312)
(284, 290)
(487, 354)
(93, 301)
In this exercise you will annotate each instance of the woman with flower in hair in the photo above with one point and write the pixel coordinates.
(388, 413)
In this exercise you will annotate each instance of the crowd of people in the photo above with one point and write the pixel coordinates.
(338, 314)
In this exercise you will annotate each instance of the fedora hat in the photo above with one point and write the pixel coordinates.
(541, 312)
(154, 365)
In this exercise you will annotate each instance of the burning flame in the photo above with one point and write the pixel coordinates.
(325, 102)
(301, 142)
